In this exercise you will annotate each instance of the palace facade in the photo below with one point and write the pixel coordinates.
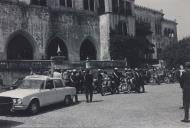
(77, 29)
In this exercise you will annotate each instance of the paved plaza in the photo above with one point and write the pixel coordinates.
(157, 108)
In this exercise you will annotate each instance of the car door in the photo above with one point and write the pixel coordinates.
(60, 89)
(49, 93)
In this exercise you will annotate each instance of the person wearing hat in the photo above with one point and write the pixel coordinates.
(99, 80)
(80, 81)
(74, 82)
(117, 79)
(137, 79)
(185, 83)
(88, 79)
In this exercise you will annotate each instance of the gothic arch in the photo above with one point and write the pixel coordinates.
(20, 46)
(88, 49)
(54, 46)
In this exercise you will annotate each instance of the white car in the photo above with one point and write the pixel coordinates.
(37, 91)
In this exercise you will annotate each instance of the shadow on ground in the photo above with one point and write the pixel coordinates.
(43, 110)
(8, 123)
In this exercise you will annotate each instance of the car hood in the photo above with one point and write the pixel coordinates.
(19, 93)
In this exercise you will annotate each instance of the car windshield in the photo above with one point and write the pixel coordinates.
(31, 84)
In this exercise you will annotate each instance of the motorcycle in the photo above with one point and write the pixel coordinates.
(125, 86)
(108, 86)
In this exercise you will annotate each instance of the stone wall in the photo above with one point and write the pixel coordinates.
(10, 76)
(40, 24)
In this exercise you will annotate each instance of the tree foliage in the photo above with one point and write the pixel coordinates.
(133, 49)
(176, 54)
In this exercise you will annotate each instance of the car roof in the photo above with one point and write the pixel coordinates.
(37, 77)
(40, 77)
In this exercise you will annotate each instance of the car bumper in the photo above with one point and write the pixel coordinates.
(19, 107)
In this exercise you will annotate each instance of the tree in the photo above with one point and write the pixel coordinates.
(134, 49)
(176, 54)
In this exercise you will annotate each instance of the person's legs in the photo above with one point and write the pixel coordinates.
(91, 96)
(87, 97)
(143, 89)
(117, 87)
(87, 94)
(182, 107)
(186, 109)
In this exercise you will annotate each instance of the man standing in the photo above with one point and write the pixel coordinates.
(88, 79)
(74, 82)
(137, 81)
(117, 78)
(99, 80)
(179, 75)
(185, 82)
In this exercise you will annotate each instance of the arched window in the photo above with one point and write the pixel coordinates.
(69, 3)
(86, 4)
(38, 2)
(57, 47)
(20, 48)
(91, 5)
(88, 50)
(62, 2)
(101, 6)
(34, 2)
(121, 7)
(128, 8)
(115, 6)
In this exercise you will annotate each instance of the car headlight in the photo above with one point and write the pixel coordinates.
(17, 101)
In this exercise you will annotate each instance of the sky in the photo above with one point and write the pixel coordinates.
(173, 9)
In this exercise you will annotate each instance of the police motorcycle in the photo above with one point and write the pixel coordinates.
(96, 86)
(108, 85)
(155, 79)
(125, 85)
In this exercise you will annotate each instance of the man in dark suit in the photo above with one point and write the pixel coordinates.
(117, 78)
(179, 75)
(185, 82)
(74, 82)
(88, 79)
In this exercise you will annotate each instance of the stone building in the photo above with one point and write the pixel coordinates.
(164, 31)
(38, 29)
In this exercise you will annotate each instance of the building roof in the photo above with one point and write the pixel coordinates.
(149, 9)
(170, 21)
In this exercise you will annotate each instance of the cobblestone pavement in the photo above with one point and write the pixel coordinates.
(157, 108)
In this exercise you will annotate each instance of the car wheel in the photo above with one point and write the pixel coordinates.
(67, 100)
(34, 107)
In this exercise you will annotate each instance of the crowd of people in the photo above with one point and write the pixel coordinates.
(114, 81)
(87, 81)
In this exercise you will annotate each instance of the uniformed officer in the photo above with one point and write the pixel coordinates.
(99, 80)
(74, 82)
(185, 81)
(88, 79)
(179, 75)
(80, 81)
(117, 79)
(142, 81)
